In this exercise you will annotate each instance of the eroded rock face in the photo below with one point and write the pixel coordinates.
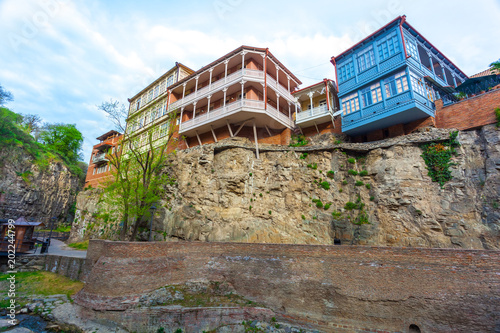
(38, 195)
(225, 194)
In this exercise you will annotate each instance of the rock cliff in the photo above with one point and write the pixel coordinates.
(36, 193)
(376, 193)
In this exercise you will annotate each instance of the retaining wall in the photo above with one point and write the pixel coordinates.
(332, 288)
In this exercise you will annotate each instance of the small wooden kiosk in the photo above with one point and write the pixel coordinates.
(24, 240)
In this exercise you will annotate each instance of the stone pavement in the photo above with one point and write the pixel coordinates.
(58, 248)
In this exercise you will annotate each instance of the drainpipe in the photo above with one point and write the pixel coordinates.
(334, 63)
(265, 79)
(327, 94)
(403, 20)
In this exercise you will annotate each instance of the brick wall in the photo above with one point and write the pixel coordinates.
(470, 113)
(350, 287)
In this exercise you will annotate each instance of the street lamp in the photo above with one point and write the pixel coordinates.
(152, 209)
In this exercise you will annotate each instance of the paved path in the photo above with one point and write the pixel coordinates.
(58, 248)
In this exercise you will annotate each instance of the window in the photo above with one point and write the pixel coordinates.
(346, 72)
(371, 95)
(150, 95)
(366, 59)
(350, 103)
(156, 91)
(138, 104)
(163, 129)
(163, 86)
(411, 48)
(418, 85)
(389, 46)
(170, 80)
(396, 84)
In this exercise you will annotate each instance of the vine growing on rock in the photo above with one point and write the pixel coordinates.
(437, 157)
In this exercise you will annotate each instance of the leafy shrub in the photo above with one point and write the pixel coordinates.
(368, 186)
(497, 114)
(350, 205)
(330, 174)
(325, 185)
(313, 166)
(298, 141)
(437, 157)
(270, 212)
(344, 182)
(363, 173)
(352, 172)
(372, 198)
(303, 156)
(359, 183)
(318, 203)
(351, 160)
(303, 217)
(327, 206)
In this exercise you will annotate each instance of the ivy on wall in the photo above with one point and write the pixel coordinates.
(437, 157)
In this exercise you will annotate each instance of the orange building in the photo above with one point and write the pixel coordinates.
(245, 93)
(99, 166)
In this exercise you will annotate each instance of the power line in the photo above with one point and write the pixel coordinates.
(305, 69)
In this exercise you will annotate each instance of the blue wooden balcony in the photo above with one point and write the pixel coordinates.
(400, 109)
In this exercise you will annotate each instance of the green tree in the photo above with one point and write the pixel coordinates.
(139, 168)
(64, 139)
(5, 96)
(495, 65)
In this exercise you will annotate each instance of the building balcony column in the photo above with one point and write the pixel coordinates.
(183, 91)
(210, 79)
(208, 105)
(224, 101)
(194, 109)
(242, 88)
(196, 86)
(226, 62)
(243, 60)
(311, 94)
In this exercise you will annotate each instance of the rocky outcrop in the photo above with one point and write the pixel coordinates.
(225, 193)
(36, 193)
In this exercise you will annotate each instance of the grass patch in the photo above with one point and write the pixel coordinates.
(80, 245)
(45, 283)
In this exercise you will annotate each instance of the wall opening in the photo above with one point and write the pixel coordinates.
(414, 329)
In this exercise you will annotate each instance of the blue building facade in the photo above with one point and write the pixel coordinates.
(391, 77)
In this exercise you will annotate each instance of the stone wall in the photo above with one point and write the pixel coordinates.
(331, 288)
(38, 196)
(73, 268)
(225, 193)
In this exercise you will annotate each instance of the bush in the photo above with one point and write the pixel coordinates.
(318, 203)
(363, 173)
(437, 157)
(327, 206)
(303, 156)
(368, 186)
(497, 114)
(325, 185)
(330, 174)
(313, 166)
(350, 205)
(351, 160)
(359, 183)
(352, 172)
(298, 141)
(344, 182)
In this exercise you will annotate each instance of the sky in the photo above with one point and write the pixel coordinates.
(61, 59)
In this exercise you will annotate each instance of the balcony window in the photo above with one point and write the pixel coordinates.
(389, 46)
(371, 95)
(156, 91)
(418, 85)
(150, 95)
(163, 86)
(350, 103)
(411, 48)
(346, 71)
(170, 80)
(396, 84)
(366, 59)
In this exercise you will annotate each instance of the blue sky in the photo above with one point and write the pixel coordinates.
(62, 58)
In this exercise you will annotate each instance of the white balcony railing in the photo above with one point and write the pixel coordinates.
(245, 74)
(231, 108)
(312, 113)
